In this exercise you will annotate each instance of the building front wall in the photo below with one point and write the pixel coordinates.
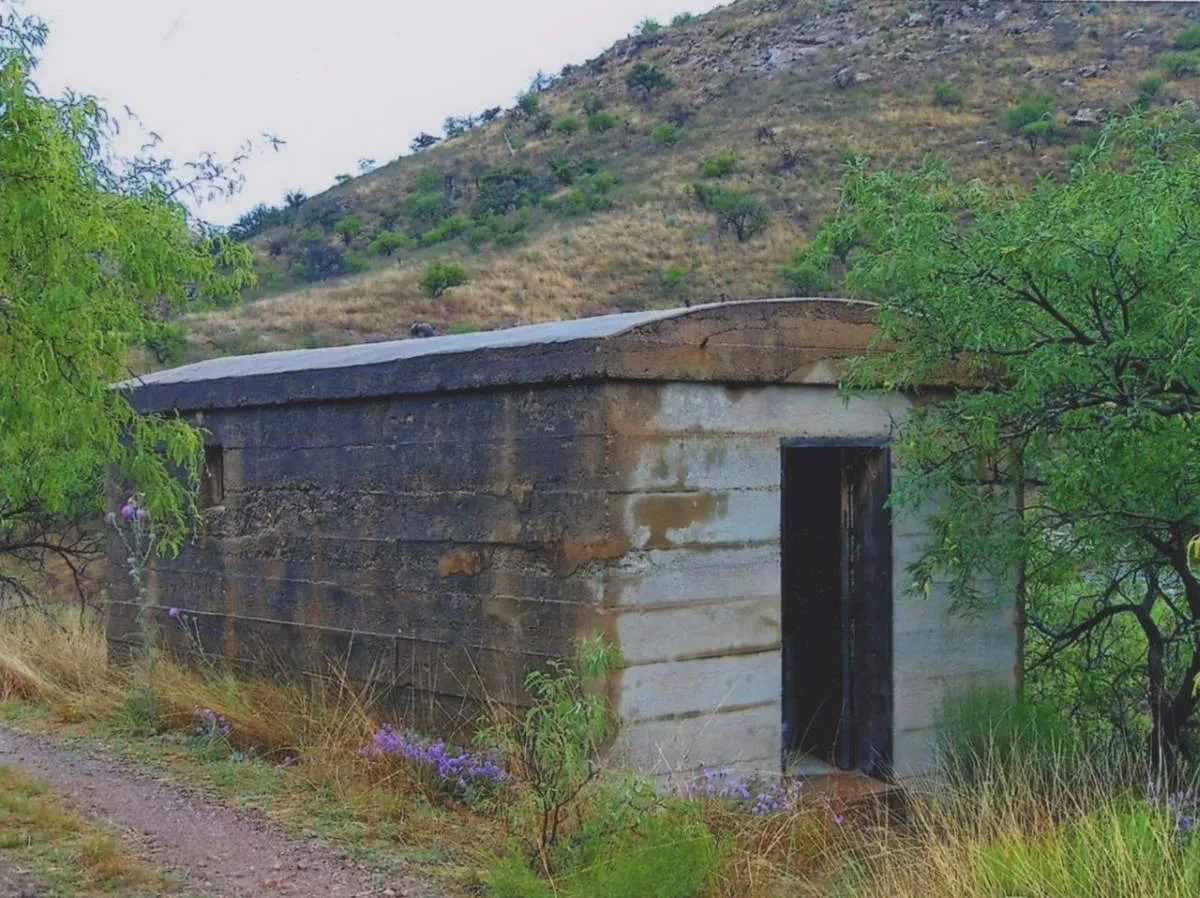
(696, 601)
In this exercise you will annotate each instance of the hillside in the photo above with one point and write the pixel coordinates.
(580, 200)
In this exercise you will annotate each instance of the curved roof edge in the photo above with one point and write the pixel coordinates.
(752, 341)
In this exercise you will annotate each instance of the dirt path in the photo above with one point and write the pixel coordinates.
(215, 850)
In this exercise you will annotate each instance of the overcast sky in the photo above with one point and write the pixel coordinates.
(338, 81)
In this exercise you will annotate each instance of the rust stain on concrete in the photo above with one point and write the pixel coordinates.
(470, 562)
(574, 554)
(662, 514)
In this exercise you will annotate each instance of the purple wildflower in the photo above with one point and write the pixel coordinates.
(172, 611)
(458, 769)
(128, 510)
(748, 793)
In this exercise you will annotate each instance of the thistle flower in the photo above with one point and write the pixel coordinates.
(172, 611)
(128, 510)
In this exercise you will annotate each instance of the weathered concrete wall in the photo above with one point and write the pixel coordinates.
(441, 545)
(697, 599)
(434, 544)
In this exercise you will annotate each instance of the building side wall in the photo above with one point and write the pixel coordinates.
(437, 546)
(696, 602)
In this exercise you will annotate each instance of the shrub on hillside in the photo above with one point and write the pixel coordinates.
(541, 123)
(439, 277)
(355, 263)
(647, 81)
(502, 189)
(1149, 90)
(683, 18)
(426, 180)
(1179, 62)
(590, 102)
(387, 242)
(647, 33)
(738, 211)
(803, 278)
(1188, 39)
(528, 104)
(1033, 120)
(347, 227)
(666, 135)
(591, 194)
(318, 262)
(568, 125)
(490, 114)
(946, 94)
(446, 229)
(342, 178)
(422, 141)
(719, 165)
(260, 218)
(599, 122)
(427, 207)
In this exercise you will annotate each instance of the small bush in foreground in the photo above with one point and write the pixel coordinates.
(439, 277)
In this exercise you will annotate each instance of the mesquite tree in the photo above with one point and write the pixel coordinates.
(95, 252)
(1072, 310)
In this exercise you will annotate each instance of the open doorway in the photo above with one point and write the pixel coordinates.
(837, 605)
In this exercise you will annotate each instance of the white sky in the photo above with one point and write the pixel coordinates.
(338, 81)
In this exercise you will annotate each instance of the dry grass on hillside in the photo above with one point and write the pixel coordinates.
(1081, 54)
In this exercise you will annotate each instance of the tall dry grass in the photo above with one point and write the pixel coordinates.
(1012, 814)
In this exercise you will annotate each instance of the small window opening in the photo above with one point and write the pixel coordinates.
(212, 477)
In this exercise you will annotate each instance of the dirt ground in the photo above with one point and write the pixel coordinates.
(216, 851)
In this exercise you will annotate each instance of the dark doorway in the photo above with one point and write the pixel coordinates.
(837, 605)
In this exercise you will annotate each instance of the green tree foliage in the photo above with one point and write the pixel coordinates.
(439, 277)
(803, 278)
(666, 135)
(490, 114)
(252, 223)
(647, 81)
(342, 178)
(528, 104)
(387, 242)
(601, 121)
(95, 251)
(718, 165)
(347, 227)
(501, 189)
(1188, 39)
(541, 122)
(647, 33)
(427, 207)
(568, 125)
(742, 213)
(1074, 311)
(423, 141)
(683, 18)
(946, 94)
(447, 229)
(1179, 62)
(1149, 90)
(1032, 119)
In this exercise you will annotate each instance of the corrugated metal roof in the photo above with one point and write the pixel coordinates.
(294, 360)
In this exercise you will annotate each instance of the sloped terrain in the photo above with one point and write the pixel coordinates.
(596, 194)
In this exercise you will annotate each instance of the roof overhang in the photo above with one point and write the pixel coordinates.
(798, 341)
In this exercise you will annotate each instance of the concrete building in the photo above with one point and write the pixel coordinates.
(442, 515)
